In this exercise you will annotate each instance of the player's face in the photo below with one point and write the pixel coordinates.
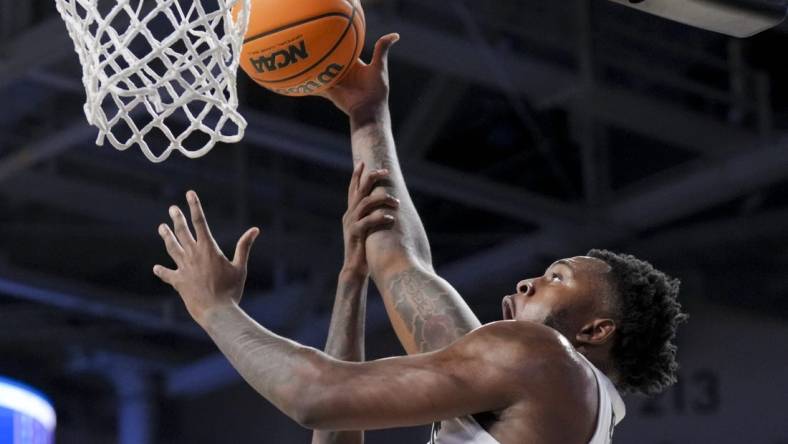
(564, 297)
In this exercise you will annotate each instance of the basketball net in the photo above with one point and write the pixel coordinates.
(168, 67)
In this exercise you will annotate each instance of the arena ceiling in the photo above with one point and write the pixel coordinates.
(527, 130)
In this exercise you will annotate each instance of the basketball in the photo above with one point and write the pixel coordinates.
(302, 47)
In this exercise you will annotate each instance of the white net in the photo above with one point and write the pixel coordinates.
(160, 74)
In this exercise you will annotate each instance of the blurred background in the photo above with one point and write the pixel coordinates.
(528, 130)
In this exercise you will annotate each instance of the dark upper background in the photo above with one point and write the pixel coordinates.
(527, 130)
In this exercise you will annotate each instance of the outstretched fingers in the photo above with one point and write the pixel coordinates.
(167, 275)
(380, 57)
(244, 246)
(199, 221)
(174, 248)
(181, 228)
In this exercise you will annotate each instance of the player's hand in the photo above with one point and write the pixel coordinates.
(365, 213)
(204, 277)
(365, 89)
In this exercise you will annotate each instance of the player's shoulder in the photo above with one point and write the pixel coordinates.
(527, 344)
(539, 361)
(553, 385)
(524, 336)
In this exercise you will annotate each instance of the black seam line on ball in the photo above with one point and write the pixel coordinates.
(289, 25)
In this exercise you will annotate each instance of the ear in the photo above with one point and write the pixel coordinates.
(596, 332)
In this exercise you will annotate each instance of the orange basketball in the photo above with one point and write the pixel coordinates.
(301, 47)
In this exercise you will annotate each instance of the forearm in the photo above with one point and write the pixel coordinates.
(346, 341)
(373, 143)
(346, 331)
(323, 393)
(281, 370)
(425, 311)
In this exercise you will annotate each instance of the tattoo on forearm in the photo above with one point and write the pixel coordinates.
(423, 305)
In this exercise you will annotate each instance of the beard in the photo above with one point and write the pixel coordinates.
(558, 321)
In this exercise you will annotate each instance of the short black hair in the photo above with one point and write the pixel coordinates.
(648, 314)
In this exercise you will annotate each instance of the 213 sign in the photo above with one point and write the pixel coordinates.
(697, 393)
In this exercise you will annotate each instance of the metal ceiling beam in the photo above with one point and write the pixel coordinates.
(274, 308)
(455, 56)
(89, 300)
(74, 195)
(333, 150)
(112, 205)
(694, 191)
(491, 58)
(543, 81)
(707, 184)
(291, 138)
(736, 229)
(305, 142)
(592, 154)
(482, 193)
(665, 122)
(268, 185)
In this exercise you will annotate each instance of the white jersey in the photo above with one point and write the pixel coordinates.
(466, 430)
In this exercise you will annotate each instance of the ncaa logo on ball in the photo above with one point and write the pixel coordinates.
(280, 59)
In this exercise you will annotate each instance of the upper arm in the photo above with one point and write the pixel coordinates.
(488, 370)
(427, 313)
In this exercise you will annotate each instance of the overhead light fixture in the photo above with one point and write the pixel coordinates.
(736, 18)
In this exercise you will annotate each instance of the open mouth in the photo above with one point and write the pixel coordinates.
(508, 308)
